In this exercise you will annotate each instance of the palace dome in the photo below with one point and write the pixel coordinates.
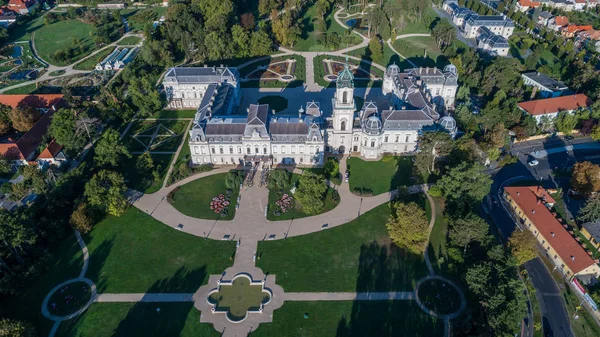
(372, 125)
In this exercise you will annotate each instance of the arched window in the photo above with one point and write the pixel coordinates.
(345, 97)
(248, 151)
(343, 127)
(195, 94)
(256, 149)
(182, 95)
(265, 150)
(197, 138)
(372, 142)
(196, 151)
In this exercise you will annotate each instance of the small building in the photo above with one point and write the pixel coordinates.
(548, 87)
(558, 22)
(579, 5)
(550, 107)
(497, 24)
(22, 6)
(494, 44)
(526, 5)
(591, 231)
(544, 18)
(532, 206)
(565, 5)
(118, 59)
(573, 29)
(52, 154)
(112, 5)
(7, 17)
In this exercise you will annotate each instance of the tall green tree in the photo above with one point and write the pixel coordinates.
(14, 328)
(106, 191)
(109, 149)
(565, 122)
(444, 33)
(311, 192)
(465, 183)
(64, 129)
(465, 230)
(5, 123)
(523, 246)
(408, 227)
(144, 96)
(376, 50)
(432, 146)
(591, 211)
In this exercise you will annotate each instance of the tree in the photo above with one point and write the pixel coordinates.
(109, 149)
(376, 49)
(144, 163)
(478, 278)
(106, 192)
(331, 168)
(408, 227)
(444, 33)
(465, 183)
(23, 117)
(234, 179)
(64, 130)
(311, 192)
(279, 178)
(81, 219)
(5, 164)
(247, 21)
(241, 41)
(591, 211)
(260, 44)
(565, 122)
(432, 145)
(144, 95)
(16, 233)
(14, 328)
(522, 244)
(5, 123)
(586, 177)
(217, 46)
(465, 230)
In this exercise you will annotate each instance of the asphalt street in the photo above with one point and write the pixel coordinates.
(555, 318)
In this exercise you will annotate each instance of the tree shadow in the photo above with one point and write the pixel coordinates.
(404, 172)
(96, 261)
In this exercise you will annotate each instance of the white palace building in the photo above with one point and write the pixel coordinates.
(221, 136)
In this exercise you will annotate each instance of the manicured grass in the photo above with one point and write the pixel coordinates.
(90, 62)
(439, 296)
(69, 299)
(308, 38)
(174, 114)
(129, 41)
(21, 30)
(414, 48)
(347, 318)
(388, 58)
(56, 73)
(138, 320)
(64, 264)
(239, 297)
(193, 199)
(299, 73)
(135, 253)
(296, 213)
(145, 182)
(60, 35)
(164, 140)
(376, 177)
(438, 240)
(277, 103)
(357, 256)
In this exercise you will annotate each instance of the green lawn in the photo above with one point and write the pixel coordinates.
(239, 297)
(296, 213)
(90, 62)
(164, 140)
(56, 73)
(135, 253)
(138, 17)
(299, 73)
(34, 88)
(347, 318)
(391, 173)
(193, 199)
(357, 256)
(138, 320)
(21, 30)
(145, 182)
(415, 47)
(277, 103)
(438, 253)
(388, 58)
(174, 114)
(60, 35)
(308, 38)
(129, 41)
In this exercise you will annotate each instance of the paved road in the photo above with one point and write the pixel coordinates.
(555, 318)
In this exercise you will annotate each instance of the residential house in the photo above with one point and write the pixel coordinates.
(532, 206)
(565, 5)
(526, 5)
(591, 231)
(52, 154)
(22, 6)
(41, 102)
(495, 44)
(579, 5)
(592, 3)
(573, 29)
(7, 17)
(544, 18)
(548, 87)
(450, 6)
(558, 22)
(550, 107)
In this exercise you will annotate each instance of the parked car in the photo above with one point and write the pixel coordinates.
(347, 177)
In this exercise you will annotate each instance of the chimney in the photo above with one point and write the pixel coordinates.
(205, 65)
(404, 107)
(248, 110)
(221, 65)
(518, 193)
(273, 111)
(533, 211)
(552, 233)
(572, 257)
(538, 201)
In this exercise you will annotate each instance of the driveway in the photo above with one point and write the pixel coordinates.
(555, 319)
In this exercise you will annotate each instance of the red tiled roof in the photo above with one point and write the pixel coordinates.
(529, 3)
(32, 138)
(569, 250)
(51, 151)
(590, 34)
(21, 4)
(580, 1)
(572, 28)
(561, 20)
(552, 105)
(36, 101)
(11, 151)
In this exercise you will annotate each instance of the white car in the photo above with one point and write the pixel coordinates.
(533, 162)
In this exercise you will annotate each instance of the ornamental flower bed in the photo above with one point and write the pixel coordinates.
(219, 203)
(285, 203)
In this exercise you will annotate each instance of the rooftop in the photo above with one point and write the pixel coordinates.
(546, 81)
(35, 101)
(594, 229)
(557, 236)
(552, 105)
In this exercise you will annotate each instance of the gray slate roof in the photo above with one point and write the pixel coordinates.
(201, 75)
(546, 81)
(594, 229)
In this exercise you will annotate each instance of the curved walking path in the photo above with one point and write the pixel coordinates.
(403, 36)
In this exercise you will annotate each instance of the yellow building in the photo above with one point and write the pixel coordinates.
(531, 204)
(591, 231)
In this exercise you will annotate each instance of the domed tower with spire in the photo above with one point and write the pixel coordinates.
(343, 111)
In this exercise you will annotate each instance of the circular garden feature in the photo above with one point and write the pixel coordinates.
(439, 296)
(239, 297)
(69, 298)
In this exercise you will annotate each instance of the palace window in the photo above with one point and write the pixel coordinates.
(221, 150)
(343, 125)
(265, 150)
(248, 151)
(231, 150)
(212, 149)
(196, 151)
(386, 138)
(407, 139)
(372, 142)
